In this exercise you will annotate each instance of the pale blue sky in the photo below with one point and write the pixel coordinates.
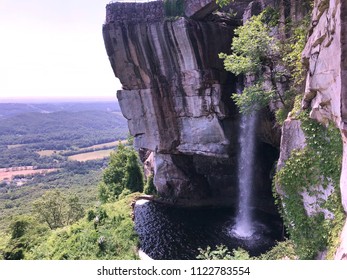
(54, 49)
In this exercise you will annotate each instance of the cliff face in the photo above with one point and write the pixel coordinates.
(326, 84)
(325, 94)
(176, 95)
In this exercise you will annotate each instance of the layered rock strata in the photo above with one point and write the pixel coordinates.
(176, 96)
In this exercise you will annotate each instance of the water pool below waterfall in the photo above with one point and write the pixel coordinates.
(169, 233)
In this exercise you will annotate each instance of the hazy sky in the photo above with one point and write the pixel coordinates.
(54, 49)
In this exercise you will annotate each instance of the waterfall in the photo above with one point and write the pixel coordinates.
(243, 227)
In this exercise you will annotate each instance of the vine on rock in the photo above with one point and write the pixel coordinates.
(309, 170)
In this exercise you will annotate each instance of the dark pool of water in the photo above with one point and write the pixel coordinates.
(169, 233)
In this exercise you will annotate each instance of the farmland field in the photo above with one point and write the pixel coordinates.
(14, 146)
(91, 155)
(104, 145)
(46, 152)
(12, 172)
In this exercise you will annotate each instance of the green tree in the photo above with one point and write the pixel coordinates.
(19, 226)
(123, 174)
(149, 188)
(25, 233)
(255, 53)
(115, 172)
(57, 209)
(74, 209)
(133, 174)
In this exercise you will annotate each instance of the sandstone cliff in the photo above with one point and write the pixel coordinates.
(176, 94)
(325, 95)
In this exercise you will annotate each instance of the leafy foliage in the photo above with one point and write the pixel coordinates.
(111, 236)
(268, 61)
(149, 187)
(254, 53)
(18, 200)
(57, 209)
(18, 227)
(26, 232)
(133, 173)
(253, 98)
(292, 49)
(222, 253)
(4, 239)
(271, 16)
(319, 163)
(123, 173)
(282, 250)
(251, 48)
(223, 3)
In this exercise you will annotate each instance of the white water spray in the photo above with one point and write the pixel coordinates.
(244, 223)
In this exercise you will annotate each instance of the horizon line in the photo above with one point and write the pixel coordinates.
(52, 100)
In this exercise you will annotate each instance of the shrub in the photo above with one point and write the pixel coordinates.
(222, 253)
(149, 187)
(123, 173)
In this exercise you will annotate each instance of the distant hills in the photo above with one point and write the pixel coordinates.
(26, 129)
(13, 109)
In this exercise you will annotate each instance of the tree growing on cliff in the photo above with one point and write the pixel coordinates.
(123, 174)
(269, 56)
(256, 54)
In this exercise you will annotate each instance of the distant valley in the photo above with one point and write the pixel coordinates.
(54, 145)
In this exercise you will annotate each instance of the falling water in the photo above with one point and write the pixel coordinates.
(243, 227)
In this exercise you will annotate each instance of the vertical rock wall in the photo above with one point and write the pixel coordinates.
(325, 91)
(176, 97)
(325, 53)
